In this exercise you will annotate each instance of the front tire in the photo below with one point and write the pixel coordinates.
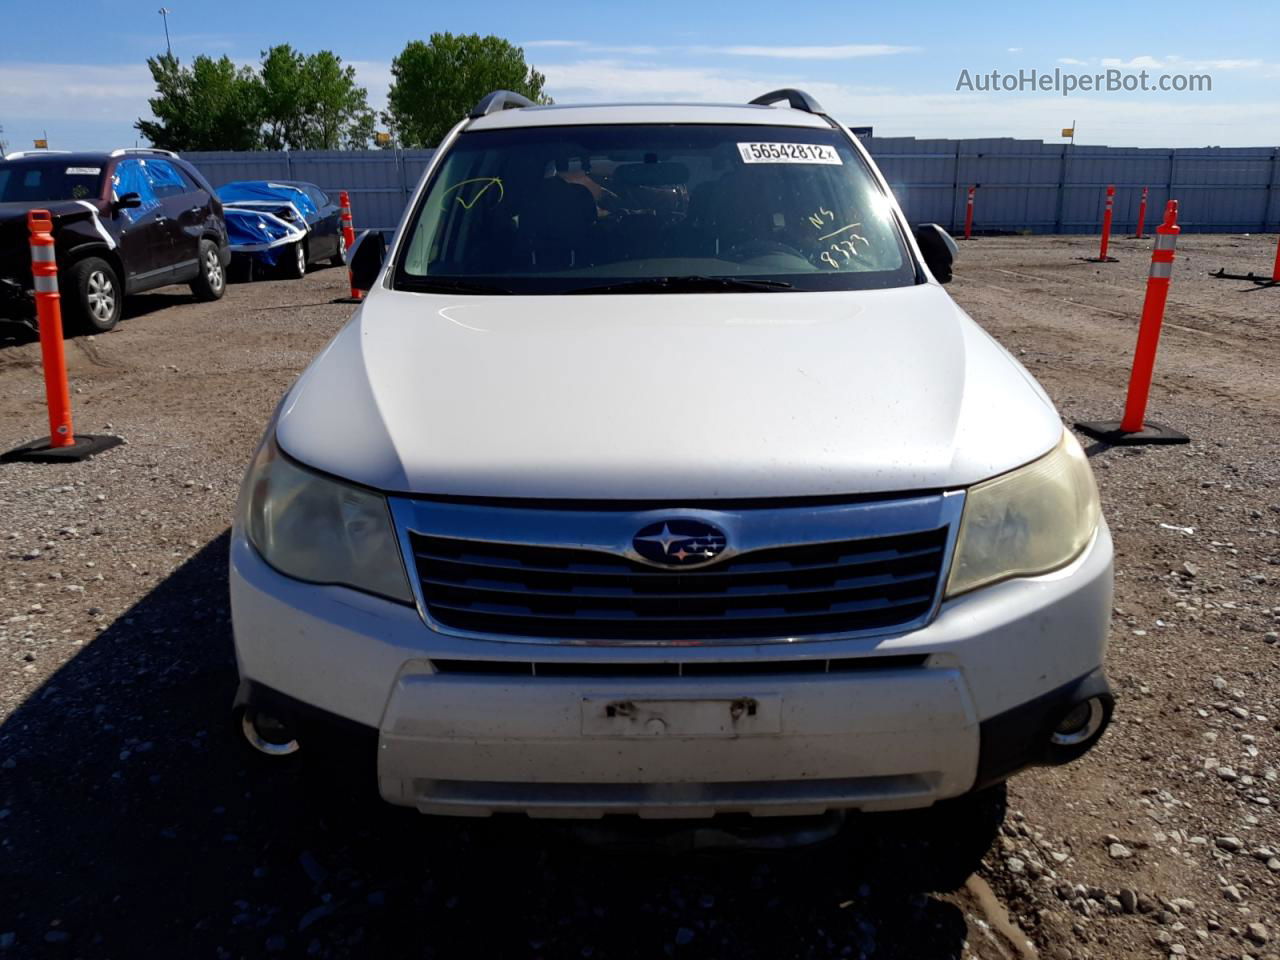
(98, 297)
(339, 259)
(294, 263)
(211, 282)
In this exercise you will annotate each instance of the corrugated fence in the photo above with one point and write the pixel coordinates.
(1023, 185)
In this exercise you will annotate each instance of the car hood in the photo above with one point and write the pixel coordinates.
(13, 217)
(666, 397)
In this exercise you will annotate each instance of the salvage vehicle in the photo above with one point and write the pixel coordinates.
(125, 221)
(658, 474)
(281, 225)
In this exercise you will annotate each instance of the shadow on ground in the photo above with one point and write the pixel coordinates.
(135, 824)
(14, 333)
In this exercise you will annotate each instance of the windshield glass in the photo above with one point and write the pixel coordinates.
(668, 208)
(24, 182)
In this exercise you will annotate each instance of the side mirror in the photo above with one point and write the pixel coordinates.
(365, 257)
(939, 250)
(129, 201)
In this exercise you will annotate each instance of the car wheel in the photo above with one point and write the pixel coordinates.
(340, 258)
(99, 297)
(211, 282)
(294, 263)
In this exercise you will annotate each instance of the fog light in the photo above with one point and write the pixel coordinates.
(1079, 723)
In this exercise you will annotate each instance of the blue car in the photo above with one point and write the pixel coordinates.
(280, 226)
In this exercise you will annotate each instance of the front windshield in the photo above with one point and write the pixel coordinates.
(579, 209)
(27, 182)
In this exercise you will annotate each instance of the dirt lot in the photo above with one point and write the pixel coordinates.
(132, 824)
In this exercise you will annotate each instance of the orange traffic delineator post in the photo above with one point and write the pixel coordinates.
(1142, 216)
(1222, 274)
(349, 240)
(62, 443)
(1106, 229)
(968, 215)
(1134, 428)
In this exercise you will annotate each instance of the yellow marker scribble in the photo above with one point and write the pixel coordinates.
(488, 183)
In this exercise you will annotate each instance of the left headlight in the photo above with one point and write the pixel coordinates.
(1032, 520)
(318, 529)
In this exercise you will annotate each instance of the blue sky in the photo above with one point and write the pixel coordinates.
(894, 66)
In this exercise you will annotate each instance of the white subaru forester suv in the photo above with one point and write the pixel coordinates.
(657, 474)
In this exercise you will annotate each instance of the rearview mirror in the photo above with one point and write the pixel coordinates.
(365, 257)
(128, 201)
(938, 249)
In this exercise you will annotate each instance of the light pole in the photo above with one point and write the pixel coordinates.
(164, 13)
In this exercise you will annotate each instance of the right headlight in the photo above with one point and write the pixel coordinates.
(1030, 521)
(312, 527)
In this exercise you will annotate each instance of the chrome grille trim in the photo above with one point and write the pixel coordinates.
(578, 567)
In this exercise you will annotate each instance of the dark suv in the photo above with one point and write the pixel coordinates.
(125, 221)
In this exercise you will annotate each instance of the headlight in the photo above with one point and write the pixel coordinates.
(318, 529)
(1033, 520)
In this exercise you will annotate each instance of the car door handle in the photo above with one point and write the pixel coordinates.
(161, 218)
(196, 209)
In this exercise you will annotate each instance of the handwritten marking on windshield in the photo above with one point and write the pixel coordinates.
(488, 182)
(828, 236)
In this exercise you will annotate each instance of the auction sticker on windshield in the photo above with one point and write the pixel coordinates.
(788, 153)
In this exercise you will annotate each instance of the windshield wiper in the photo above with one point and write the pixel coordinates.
(451, 285)
(690, 284)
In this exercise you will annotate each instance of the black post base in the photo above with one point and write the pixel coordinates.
(39, 451)
(348, 300)
(1108, 431)
(1100, 259)
(1222, 274)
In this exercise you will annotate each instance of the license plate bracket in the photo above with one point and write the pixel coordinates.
(748, 715)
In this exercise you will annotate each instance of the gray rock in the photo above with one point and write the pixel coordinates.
(1128, 901)
(1257, 932)
(1119, 851)
(1229, 844)
(1232, 893)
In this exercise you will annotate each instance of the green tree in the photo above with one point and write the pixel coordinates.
(434, 84)
(312, 102)
(294, 101)
(211, 105)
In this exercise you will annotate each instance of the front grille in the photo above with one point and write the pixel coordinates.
(805, 590)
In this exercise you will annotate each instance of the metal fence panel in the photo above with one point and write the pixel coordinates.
(1022, 185)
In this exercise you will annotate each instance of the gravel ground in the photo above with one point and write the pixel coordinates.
(132, 823)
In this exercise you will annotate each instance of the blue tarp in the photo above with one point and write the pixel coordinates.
(258, 216)
(267, 193)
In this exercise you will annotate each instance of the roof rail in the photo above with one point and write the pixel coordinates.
(19, 154)
(499, 100)
(796, 99)
(121, 151)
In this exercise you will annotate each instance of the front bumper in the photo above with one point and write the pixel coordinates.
(961, 703)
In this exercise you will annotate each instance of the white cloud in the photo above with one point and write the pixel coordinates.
(1072, 61)
(846, 51)
(1117, 121)
(65, 90)
(1173, 62)
(527, 44)
(1137, 63)
(95, 106)
(1014, 50)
